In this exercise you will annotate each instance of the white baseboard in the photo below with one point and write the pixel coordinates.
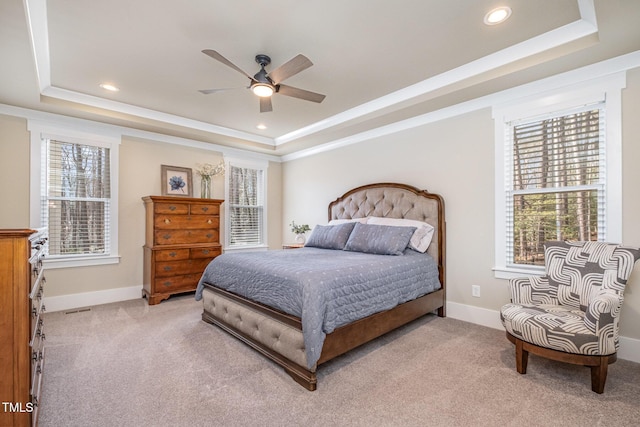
(86, 299)
(629, 347)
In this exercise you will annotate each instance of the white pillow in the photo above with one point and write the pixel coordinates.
(421, 238)
(343, 221)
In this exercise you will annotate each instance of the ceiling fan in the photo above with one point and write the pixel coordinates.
(266, 84)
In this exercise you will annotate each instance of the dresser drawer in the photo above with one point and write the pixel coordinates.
(36, 387)
(171, 254)
(173, 237)
(205, 209)
(37, 364)
(208, 252)
(187, 282)
(181, 222)
(174, 268)
(171, 208)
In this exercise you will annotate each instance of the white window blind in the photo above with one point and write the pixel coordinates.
(246, 206)
(76, 198)
(556, 187)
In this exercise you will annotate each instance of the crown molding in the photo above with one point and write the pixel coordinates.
(36, 13)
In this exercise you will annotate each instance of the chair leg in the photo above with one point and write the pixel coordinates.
(522, 357)
(599, 375)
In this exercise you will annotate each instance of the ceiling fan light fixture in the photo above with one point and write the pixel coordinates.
(262, 90)
(497, 15)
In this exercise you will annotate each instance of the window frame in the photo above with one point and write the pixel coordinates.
(608, 90)
(249, 164)
(39, 132)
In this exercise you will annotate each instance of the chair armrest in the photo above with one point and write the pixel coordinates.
(603, 311)
(532, 290)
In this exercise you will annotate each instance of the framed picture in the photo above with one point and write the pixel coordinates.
(175, 181)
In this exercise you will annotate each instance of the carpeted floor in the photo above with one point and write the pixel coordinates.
(128, 364)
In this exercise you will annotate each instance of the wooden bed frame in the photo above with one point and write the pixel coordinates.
(248, 320)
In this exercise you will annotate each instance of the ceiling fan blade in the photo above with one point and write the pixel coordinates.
(208, 91)
(215, 55)
(265, 105)
(290, 68)
(300, 93)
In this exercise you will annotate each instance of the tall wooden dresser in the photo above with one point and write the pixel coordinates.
(182, 237)
(21, 325)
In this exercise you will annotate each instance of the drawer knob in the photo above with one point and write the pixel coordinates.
(172, 254)
(167, 236)
(34, 356)
(209, 221)
(172, 208)
(209, 236)
(167, 283)
(167, 268)
(167, 221)
(205, 251)
(205, 208)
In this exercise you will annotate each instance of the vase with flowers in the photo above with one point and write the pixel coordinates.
(299, 231)
(206, 172)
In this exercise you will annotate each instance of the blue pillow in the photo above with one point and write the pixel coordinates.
(379, 239)
(330, 236)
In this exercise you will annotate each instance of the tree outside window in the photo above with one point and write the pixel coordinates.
(557, 190)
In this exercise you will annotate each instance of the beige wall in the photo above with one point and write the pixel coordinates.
(454, 158)
(139, 176)
(14, 173)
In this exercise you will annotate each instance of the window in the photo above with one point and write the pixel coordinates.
(557, 190)
(558, 174)
(245, 205)
(75, 198)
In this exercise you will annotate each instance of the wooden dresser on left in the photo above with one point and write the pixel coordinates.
(182, 237)
(21, 325)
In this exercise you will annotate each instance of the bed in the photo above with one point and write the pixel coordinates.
(266, 299)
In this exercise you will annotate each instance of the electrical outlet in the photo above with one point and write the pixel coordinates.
(475, 291)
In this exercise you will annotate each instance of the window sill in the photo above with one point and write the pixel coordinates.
(246, 248)
(513, 272)
(69, 262)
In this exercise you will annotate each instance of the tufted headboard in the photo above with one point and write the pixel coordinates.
(396, 201)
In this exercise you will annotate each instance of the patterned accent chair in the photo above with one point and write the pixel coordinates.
(571, 314)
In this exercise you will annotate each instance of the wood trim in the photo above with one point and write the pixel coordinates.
(364, 330)
(598, 364)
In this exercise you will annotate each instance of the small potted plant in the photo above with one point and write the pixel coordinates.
(299, 231)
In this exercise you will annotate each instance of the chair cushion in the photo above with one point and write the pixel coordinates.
(557, 327)
(577, 270)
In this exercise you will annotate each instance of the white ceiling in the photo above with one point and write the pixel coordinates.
(377, 62)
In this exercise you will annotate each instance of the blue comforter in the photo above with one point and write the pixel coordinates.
(325, 288)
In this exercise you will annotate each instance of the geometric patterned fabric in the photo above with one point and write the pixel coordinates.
(576, 306)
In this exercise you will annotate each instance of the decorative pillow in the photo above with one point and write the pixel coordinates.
(330, 236)
(421, 238)
(379, 239)
(343, 221)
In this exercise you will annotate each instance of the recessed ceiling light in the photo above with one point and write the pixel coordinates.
(109, 87)
(497, 15)
(261, 126)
